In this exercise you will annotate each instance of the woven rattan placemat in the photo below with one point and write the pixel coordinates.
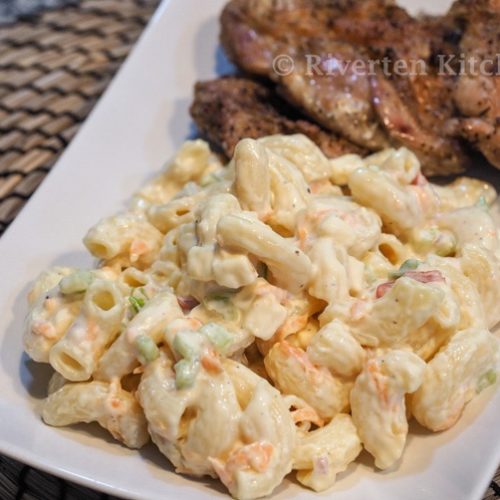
(53, 68)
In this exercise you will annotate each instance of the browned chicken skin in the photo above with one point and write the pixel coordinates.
(373, 24)
(369, 111)
(439, 155)
(229, 109)
(477, 94)
(340, 99)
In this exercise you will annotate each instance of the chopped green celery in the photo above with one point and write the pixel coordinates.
(137, 303)
(221, 303)
(188, 344)
(148, 350)
(485, 380)
(77, 282)
(407, 265)
(185, 373)
(218, 336)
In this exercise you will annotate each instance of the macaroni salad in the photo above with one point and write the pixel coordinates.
(276, 314)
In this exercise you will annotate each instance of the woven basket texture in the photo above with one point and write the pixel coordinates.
(53, 68)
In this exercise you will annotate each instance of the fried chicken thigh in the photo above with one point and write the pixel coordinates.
(370, 108)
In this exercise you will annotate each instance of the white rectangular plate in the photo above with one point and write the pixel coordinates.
(139, 123)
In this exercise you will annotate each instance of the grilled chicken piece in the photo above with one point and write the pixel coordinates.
(255, 32)
(339, 96)
(477, 96)
(365, 110)
(229, 109)
(439, 155)
(252, 30)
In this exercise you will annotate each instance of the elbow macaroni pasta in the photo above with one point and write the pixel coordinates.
(121, 358)
(277, 314)
(113, 408)
(459, 371)
(127, 236)
(323, 453)
(75, 356)
(378, 403)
